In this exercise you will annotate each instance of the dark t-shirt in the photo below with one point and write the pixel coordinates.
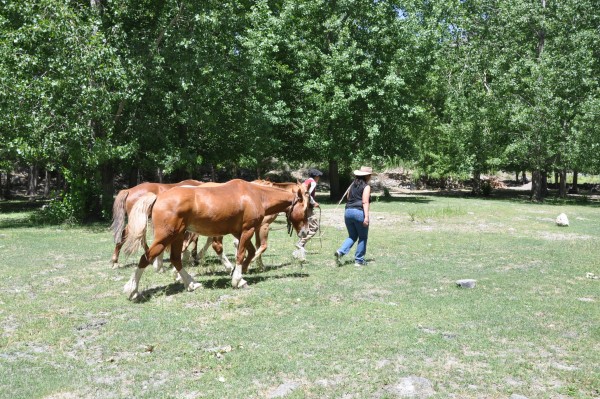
(355, 197)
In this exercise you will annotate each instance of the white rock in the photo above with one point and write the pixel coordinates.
(562, 220)
(466, 283)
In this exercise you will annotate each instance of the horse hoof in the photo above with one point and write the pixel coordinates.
(194, 286)
(134, 296)
(242, 284)
(115, 265)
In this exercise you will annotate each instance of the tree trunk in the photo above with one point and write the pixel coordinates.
(213, 173)
(575, 188)
(536, 186)
(476, 182)
(132, 178)
(108, 189)
(525, 181)
(32, 181)
(334, 181)
(562, 183)
(8, 186)
(60, 182)
(46, 183)
(544, 184)
(159, 174)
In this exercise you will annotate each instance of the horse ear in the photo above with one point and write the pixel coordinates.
(299, 195)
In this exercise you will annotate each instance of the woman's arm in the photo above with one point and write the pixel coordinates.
(366, 196)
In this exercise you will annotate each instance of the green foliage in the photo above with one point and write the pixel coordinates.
(103, 88)
(58, 211)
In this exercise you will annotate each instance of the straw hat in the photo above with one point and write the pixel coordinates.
(364, 171)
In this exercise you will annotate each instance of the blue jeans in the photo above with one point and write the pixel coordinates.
(356, 231)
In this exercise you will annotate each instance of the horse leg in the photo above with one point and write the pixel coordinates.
(131, 288)
(115, 257)
(217, 245)
(158, 261)
(251, 251)
(176, 249)
(194, 251)
(236, 279)
(190, 248)
(202, 252)
(262, 238)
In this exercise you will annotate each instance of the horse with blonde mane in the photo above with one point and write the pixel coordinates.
(236, 207)
(123, 204)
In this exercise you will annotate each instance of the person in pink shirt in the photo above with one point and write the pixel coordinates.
(314, 175)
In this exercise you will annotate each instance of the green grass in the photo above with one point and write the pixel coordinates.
(531, 326)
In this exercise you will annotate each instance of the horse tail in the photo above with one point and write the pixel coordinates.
(118, 215)
(138, 223)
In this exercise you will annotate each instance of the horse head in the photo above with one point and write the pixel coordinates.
(297, 214)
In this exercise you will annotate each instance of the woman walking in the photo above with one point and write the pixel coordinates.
(356, 216)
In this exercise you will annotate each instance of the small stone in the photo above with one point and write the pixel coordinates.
(562, 220)
(466, 283)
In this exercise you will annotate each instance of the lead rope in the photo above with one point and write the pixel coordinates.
(320, 237)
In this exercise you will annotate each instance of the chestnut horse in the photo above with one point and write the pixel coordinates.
(261, 235)
(124, 203)
(122, 208)
(236, 207)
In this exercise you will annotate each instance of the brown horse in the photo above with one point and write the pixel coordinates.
(236, 207)
(261, 235)
(124, 203)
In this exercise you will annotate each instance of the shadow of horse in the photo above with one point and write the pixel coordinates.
(219, 283)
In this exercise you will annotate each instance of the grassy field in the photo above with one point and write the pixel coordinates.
(530, 327)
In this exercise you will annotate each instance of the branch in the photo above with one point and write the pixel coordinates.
(171, 24)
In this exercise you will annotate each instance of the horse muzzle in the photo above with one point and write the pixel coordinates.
(303, 232)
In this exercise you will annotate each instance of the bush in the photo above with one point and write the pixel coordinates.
(486, 188)
(57, 211)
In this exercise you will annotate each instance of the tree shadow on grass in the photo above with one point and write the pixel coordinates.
(415, 198)
(504, 195)
(16, 223)
(20, 205)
